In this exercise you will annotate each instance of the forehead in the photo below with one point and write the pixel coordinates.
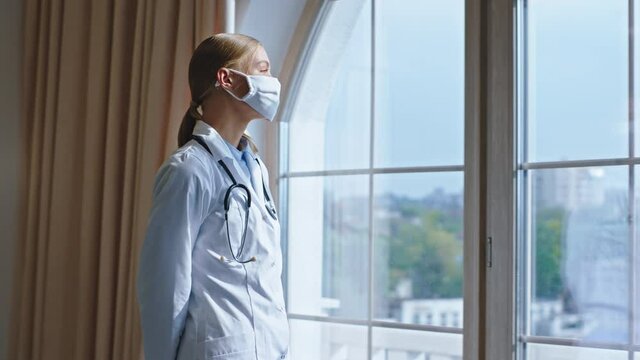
(260, 56)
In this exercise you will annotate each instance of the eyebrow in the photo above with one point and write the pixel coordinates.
(264, 61)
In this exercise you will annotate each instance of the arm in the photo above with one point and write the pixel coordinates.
(164, 273)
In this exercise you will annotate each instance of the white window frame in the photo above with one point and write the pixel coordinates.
(489, 322)
(292, 74)
(630, 161)
(500, 82)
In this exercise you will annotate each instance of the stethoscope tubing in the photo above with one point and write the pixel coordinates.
(227, 204)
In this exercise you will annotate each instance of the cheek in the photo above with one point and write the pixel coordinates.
(243, 89)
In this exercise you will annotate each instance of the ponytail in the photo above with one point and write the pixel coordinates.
(188, 123)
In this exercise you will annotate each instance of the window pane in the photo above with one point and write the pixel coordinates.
(577, 85)
(419, 82)
(636, 256)
(580, 254)
(328, 245)
(555, 352)
(313, 340)
(418, 248)
(636, 80)
(420, 53)
(330, 127)
(392, 344)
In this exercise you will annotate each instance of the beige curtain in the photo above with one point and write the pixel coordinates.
(105, 88)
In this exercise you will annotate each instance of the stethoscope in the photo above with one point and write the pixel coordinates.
(271, 209)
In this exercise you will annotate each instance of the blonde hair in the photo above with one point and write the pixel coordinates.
(233, 51)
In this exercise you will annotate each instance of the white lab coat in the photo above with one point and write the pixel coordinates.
(193, 305)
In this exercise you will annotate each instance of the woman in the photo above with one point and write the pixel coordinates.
(209, 282)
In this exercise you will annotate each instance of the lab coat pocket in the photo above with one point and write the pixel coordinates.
(228, 233)
(238, 346)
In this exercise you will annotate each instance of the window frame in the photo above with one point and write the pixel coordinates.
(300, 49)
(491, 249)
(504, 27)
(489, 129)
(522, 189)
(499, 97)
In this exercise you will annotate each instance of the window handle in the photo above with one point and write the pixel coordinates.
(489, 252)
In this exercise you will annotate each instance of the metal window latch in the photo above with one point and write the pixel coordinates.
(489, 252)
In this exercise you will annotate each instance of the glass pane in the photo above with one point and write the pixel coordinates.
(419, 101)
(576, 85)
(579, 240)
(418, 248)
(636, 77)
(328, 245)
(313, 340)
(555, 352)
(331, 127)
(636, 256)
(396, 344)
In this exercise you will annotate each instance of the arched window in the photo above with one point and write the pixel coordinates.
(371, 181)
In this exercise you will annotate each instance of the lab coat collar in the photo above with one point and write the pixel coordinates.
(222, 152)
(213, 139)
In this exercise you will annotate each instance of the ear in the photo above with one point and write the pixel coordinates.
(225, 78)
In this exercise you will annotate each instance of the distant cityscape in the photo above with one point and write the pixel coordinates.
(580, 268)
(417, 266)
(581, 233)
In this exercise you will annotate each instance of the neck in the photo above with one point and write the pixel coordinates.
(230, 124)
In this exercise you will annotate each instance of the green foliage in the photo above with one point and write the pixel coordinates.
(427, 252)
(549, 252)
(425, 246)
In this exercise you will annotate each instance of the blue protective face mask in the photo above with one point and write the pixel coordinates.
(263, 95)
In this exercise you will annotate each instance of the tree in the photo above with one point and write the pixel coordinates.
(428, 253)
(549, 254)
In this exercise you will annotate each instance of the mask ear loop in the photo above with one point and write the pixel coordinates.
(195, 104)
(252, 88)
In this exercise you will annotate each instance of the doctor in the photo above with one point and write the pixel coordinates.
(208, 282)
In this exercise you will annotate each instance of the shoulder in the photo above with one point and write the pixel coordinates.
(185, 166)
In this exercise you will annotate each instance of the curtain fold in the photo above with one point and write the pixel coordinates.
(104, 91)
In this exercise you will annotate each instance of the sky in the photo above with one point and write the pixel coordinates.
(577, 79)
(419, 104)
(576, 88)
